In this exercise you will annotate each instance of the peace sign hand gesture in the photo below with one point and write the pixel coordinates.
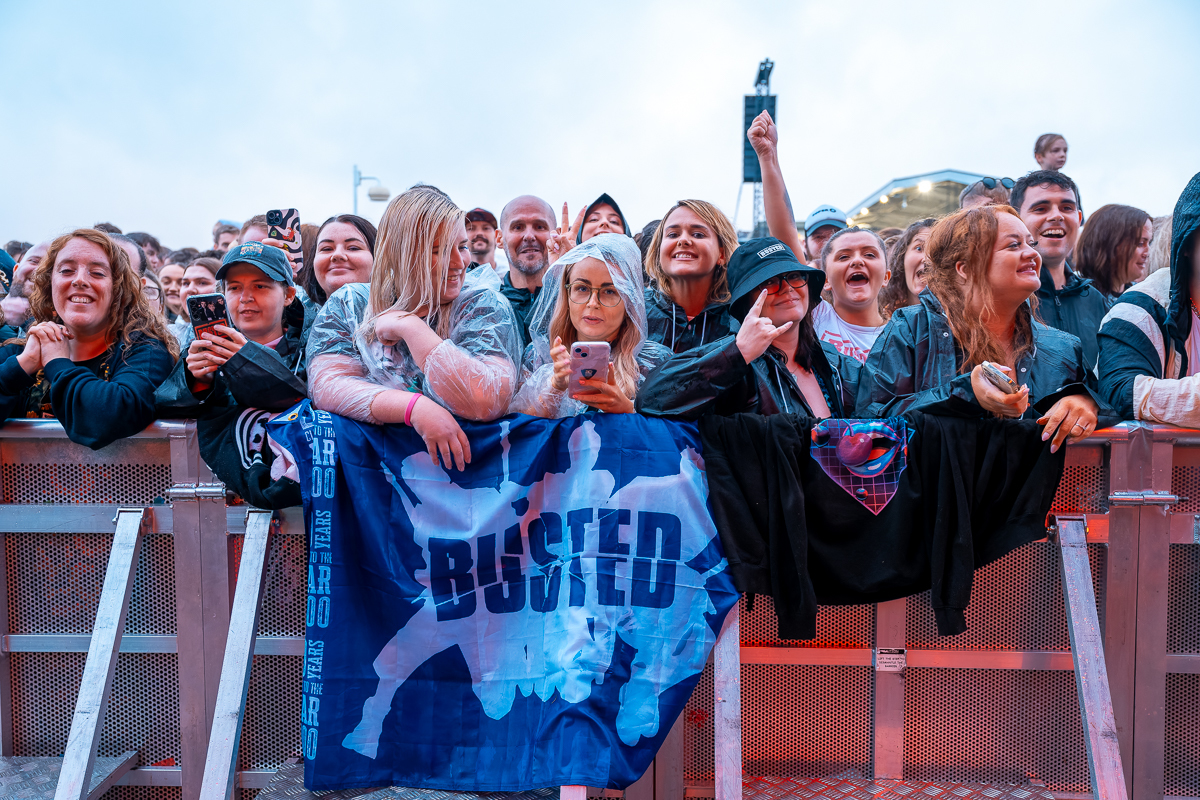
(757, 332)
(563, 238)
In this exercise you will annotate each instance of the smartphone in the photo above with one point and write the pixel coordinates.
(283, 224)
(207, 311)
(999, 379)
(588, 360)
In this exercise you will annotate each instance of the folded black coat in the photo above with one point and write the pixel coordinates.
(972, 491)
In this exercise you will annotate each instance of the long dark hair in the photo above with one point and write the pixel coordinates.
(308, 273)
(1107, 243)
(895, 293)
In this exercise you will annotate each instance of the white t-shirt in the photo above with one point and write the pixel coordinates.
(850, 340)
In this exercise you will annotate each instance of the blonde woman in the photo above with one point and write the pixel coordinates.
(594, 293)
(688, 304)
(425, 343)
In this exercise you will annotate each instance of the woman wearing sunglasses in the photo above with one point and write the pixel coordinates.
(600, 298)
(774, 364)
(986, 192)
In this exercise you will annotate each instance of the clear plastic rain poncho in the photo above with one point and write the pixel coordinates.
(538, 396)
(472, 373)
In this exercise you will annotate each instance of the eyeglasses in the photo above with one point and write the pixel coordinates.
(581, 294)
(990, 183)
(151, 292)
(793, 279)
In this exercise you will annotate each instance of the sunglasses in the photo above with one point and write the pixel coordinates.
(793, 279)
(990, 183)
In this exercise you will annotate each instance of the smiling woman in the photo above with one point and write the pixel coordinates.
(982, 271)
(424, 329)
(688, 304)
(97, 344)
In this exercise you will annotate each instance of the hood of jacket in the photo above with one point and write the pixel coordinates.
(603, 200)
(1075, 284)
(1184, 222)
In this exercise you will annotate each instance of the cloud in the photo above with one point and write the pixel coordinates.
(163, 118)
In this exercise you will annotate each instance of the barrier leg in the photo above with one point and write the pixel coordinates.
(220, 766)
(1091, 676)
(79, 760)
(727, 708)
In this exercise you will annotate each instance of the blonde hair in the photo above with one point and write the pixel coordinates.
(1160, 246)
(406, 274)
(130, 312)
(727, 242)
(624, 356)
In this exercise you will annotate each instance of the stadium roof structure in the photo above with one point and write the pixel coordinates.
(905, 200)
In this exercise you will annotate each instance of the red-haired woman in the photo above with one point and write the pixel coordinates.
(982, 272)
(98, 349)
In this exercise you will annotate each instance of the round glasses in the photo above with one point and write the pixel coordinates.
(990, 183)
(792, 279)
(581, 294)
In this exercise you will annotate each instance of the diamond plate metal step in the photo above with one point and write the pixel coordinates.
(288, 784)
(37, 777)
(771, 788)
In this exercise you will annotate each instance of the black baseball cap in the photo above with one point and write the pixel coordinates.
(756, 262)
(270, 260)
(482, 215)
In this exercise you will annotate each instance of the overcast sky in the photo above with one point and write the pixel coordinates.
(164, 117)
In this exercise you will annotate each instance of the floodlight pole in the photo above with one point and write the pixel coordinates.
(358, 179)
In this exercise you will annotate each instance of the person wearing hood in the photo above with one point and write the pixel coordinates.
(258, 360)
(602, 216)
(594, 293)
(687, 260)
(774, 364)
(1150, 339)
(982, 271)
(1048, 203)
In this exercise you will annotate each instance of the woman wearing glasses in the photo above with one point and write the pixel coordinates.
(774, 364)
(598, 298)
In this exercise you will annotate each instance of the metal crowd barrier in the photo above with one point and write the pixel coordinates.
(996, 704)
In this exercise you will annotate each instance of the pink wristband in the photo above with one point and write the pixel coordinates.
(411, 403)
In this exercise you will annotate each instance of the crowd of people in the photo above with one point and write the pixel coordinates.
(418, 323)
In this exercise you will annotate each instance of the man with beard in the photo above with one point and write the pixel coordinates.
(1048, 202)
(525, 225)
(482, 236)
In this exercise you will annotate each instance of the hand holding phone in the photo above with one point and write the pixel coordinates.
(207, 311)
(999, 379)
(589, 360)
(283, 225)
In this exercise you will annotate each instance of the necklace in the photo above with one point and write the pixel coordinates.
(39, 405)
(1195, 310)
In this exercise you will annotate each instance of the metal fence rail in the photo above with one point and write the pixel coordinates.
(996, 704)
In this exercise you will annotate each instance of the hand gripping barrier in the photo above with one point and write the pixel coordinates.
(877, 696)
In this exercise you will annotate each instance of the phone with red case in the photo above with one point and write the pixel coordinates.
(283, 225)
(588, 360)
(206, 311)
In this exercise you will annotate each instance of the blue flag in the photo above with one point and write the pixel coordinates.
(538, 620)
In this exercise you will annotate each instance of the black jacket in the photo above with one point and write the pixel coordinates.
(970, 491)
(715, 379)
(94, 410)
(269, 378)
(1160, 305)
(915, 366)
(521, 301)
(1077, 308)
(667, 322)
